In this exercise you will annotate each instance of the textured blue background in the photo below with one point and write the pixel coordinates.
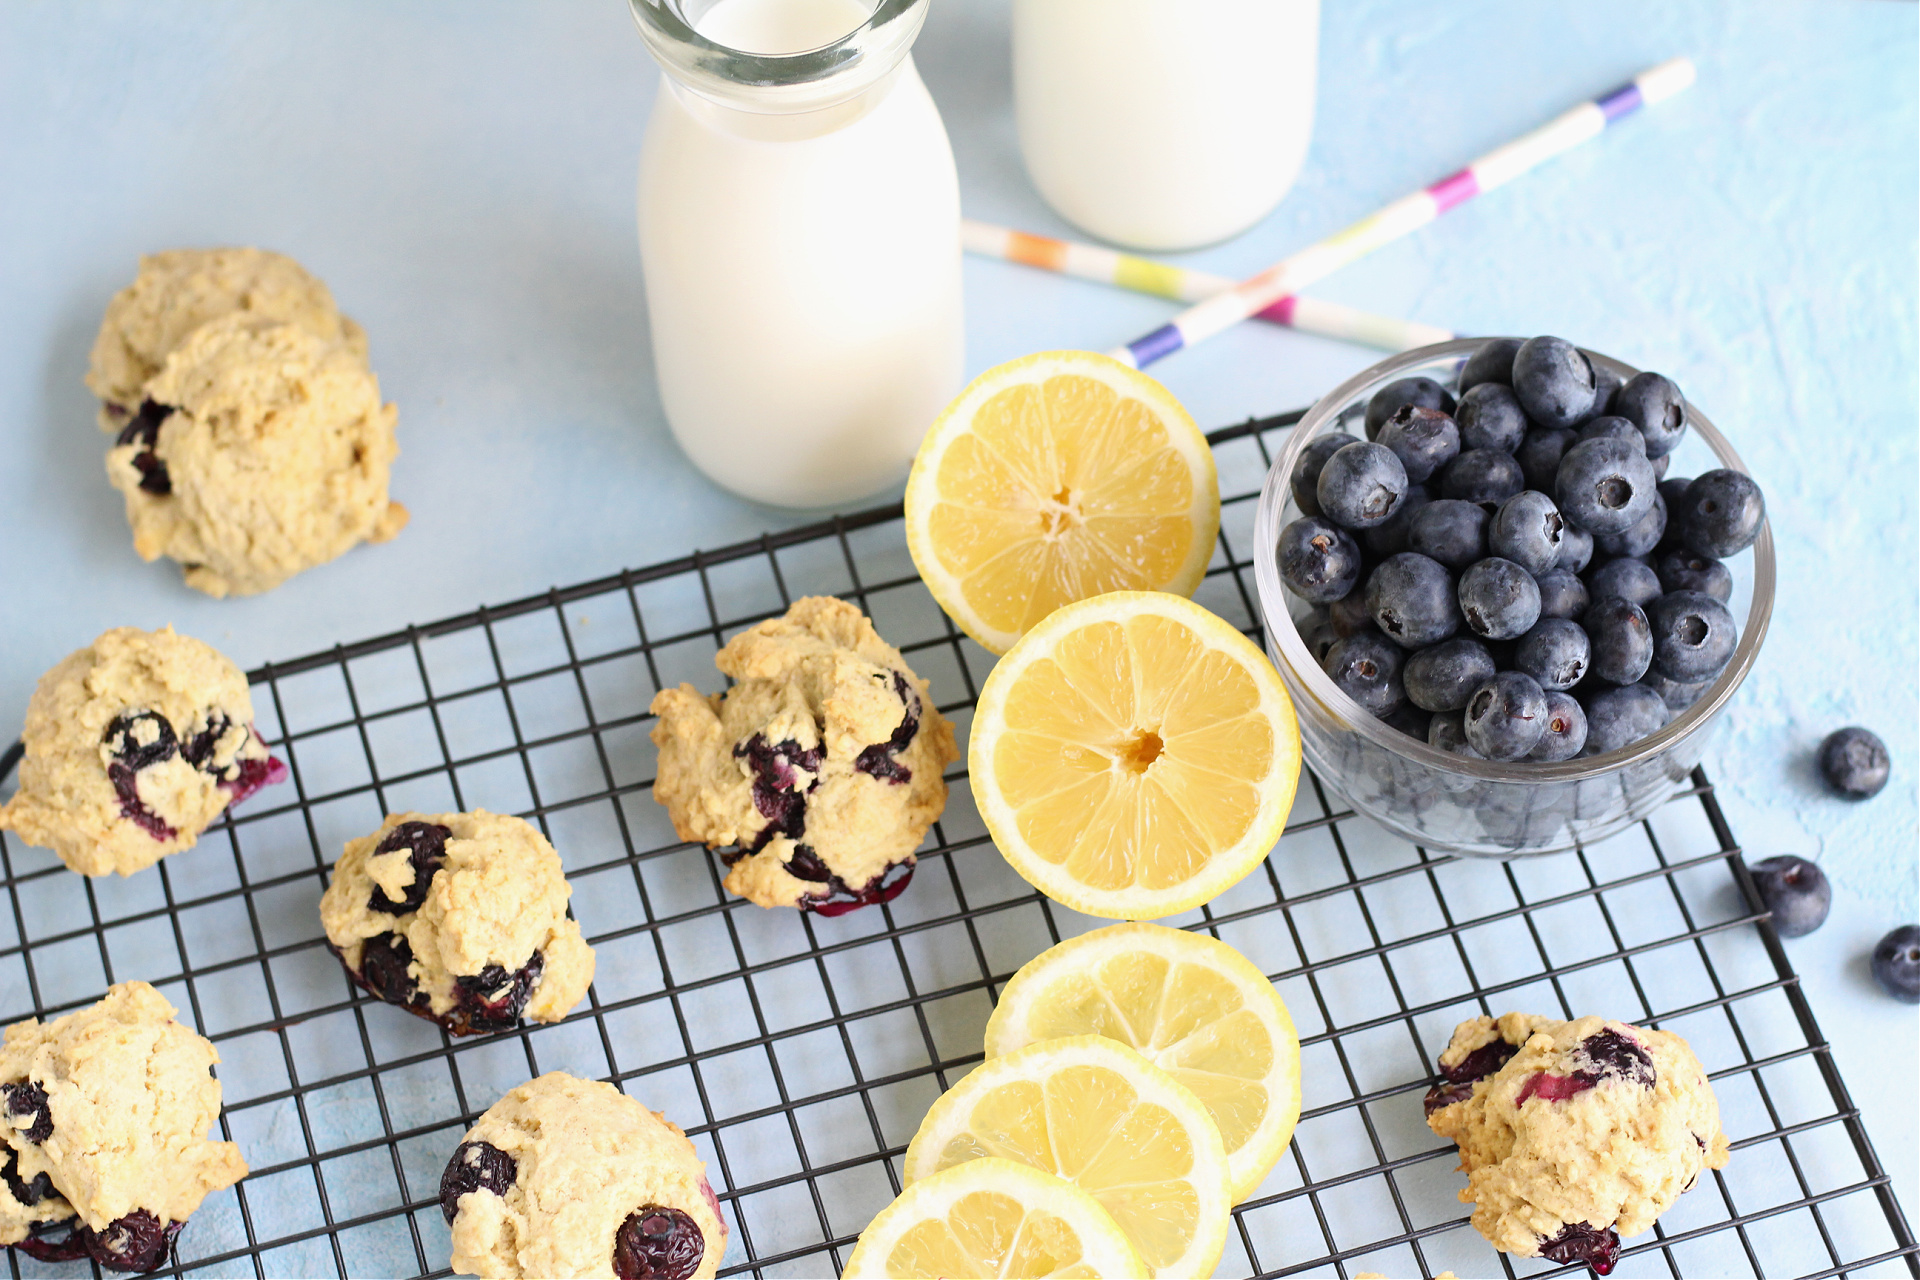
(462, 176)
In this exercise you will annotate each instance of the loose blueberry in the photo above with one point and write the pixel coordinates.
(1350, 613)
(1486, 476)
(1576, 549)
(657, 1243)
(1361, 485)
(1855, 762)
(1612, 428)
(1389, 537)
(1366, 667)
(1693, 635)
(1490, 417)
(1555, 382)
(1506, 716)
(1657, 410)
(1896, 963)
(426, 846)
(1562, 594)
(1641, 538)
(475, 1166)
(493, 999)
(1620, 639)
(882, 759)
(1306, 472)
(1616, 717)
(1720, 514)
(1423, 439)
(1410, 720)
(1539, 455)
(1796, 891)
(1450, 531)
(26, 1100)
(1555, 653)
(1660, 465)
(1319, 561)
(1493, 362)
(1527, 529)
(1566, 731)
(1604, 486)
(1447, 731)
(1674, 488)
(1606, 390)
(1624, 578)
(1499, 599)
(1424, 392)
(1443, 676)
(1677, 694)
(1682, 570)
(1584, 1243)
(1317, 631)
(1412, 600)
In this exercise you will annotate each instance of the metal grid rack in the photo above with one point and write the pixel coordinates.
(800, 1052)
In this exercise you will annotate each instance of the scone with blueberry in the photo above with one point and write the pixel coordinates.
(818, 772)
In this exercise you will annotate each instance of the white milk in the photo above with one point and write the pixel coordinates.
(803, 270)
(1164, 124)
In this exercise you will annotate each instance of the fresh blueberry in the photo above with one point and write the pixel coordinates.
(1486, 476)
(1721, 514)
(882, 759)
(1677, 694)
(1306, 471)
(1317, 631)
(1693, 635)
(1616, 717)
(1499, 599)
(1423, 439)
(1319, 561)
(1673, 488)
(1611, 428)
(1408, 719)
(1562, 594)
(1606, 390)
(1682, 570)
(1389, 537)
(1493, 362)
(1576, 549)
(475, 1166)
(1451, 531)
(1660, 465)
(1796, 891)
(1855, 762)
(1424, 392)
(1625, 578)
(1555, 382)
(1555, 653)
(1527, 530)
(657, 1243)
(1350, 613)
(1411, 599)
(1566, 731)
(1539, 455)
(1448, 732)
(1641, 538)
(1604, 486)
(1657, 410)
(1361, 485)
(426, 846)
(1442, 677)
(1896, 963)
(1366, 667)
(1620, 639)
(1490, 417)
(1506, 716)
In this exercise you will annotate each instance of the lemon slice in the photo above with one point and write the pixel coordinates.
(1134, 755)
(1053, 478)
(1192, 1006)
(993, 1218)
(1101, 1116)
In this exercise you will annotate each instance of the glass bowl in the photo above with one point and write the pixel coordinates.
(1449, 803)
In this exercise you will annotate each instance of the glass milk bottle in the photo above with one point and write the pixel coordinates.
(1164, 124)
(800, 233)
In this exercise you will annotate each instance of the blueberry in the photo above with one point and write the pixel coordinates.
(1562, 594)
(1350, 613)
(1616, 717)
(1576, 549)
(1450, 531)
(1318, 634)
(138, 740)
(1693, 635)
(1361, 485)
(475, 1166)
(1540, 453)
(882, 759)
(1566, 731)
(1493, 362)
(1855, 762)
(1319, 561)
(493, 999)
(1606, 390)
(1306, 471)
(426, 846)
(1424, 392)
(1410, 720)
(384, 960)
(777, 796)
(1682, 570)
(1720, 515)
(1499, 599)
(1389, 537)
(1527, 530)
(1608, 1055)
(1366, 667)
(25, 1099)
(1442, 677)
(1554, 381)
(33, 1192)
(1486, 476)
(1673, 488)
(1657, 410)
(1796, 891)
(1660, 465)
(657, 1243)
(1448, 732)
(1584, 1243)
(136, 1241)
(1555, 653)
(1641, 538)
(144, 430)
(1621, 641)
(1604, 486)
(1677, 694)
(1460, 1077)
(1625, 578)
(1611, 428)
(1506, 716)
(1423, 439)
(1412, 600)
(1896, 963)
(1490, 417)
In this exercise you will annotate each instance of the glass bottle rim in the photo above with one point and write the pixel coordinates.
(807, 80)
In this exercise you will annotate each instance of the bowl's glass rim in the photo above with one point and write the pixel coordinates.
(1284, 636)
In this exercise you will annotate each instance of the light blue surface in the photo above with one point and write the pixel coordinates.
(462, 176)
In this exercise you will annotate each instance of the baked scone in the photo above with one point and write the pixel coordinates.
(107, 1111)
(134, 745)
(820, 766)
(1573, 1134)
(460, 918)
(570, 1177)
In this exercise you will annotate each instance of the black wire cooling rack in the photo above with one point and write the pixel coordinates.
(800, 1053)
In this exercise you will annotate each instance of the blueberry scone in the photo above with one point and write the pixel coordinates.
(1573, 1134)
(134, 745)
(818, 772)
(107, 1111)
(460, 918)
(571, 1177)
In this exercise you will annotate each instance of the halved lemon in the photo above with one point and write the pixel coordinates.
(1134, 755)
(1192, 1006)
(1053, 478)
(993, 1217)
(1101, 1116)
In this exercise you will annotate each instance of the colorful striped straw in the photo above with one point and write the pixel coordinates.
(1144, 275)
(1318, 261)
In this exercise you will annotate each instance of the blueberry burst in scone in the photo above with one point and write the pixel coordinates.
(134, 745)
(1573, 1134)
(460, 918)
(818, 773)
(107, 1111)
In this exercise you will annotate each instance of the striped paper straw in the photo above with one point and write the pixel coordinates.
(1144, 275)
(1318, 261)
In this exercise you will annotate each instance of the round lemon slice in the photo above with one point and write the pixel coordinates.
(1134, 755)
(1192, 1006)
(993, 1217)
(1101, 1116)
(1053, 478)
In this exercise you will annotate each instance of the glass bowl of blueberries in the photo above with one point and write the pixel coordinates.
(1510, 584)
